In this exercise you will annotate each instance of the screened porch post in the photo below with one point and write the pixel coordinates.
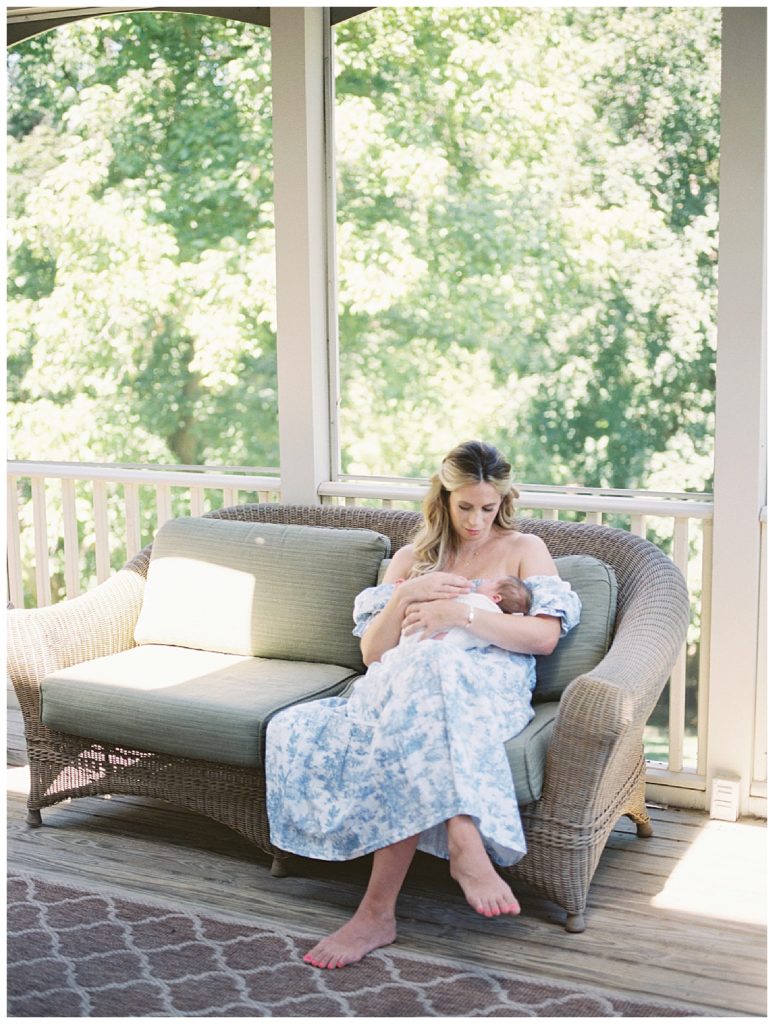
(300, 225)
(740, 431)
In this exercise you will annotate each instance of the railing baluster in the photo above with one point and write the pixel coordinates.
(230, 497)
(637, 526)
(70, 538)
(704, 643)
(550, 513)
(678, 677)
(677, 713)
(101, 530)
(163, 504)
(760, 742)
(680, 545)
(594, 517)
(15, 578)
(132, 513)
(40, 529)
(197, 501)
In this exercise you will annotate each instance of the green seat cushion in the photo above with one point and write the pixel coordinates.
(584, 647)
(258, 589)
(527, 754)
(179, 701)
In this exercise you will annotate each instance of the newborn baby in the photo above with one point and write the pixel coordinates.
(508, 594)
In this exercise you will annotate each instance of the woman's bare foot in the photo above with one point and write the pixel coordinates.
(365, 932)
(470, 866)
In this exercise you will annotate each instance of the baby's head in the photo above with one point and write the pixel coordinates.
(511, 593)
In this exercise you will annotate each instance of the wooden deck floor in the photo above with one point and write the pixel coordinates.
(679, 916)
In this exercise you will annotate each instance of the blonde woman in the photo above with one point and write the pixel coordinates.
(414, 758)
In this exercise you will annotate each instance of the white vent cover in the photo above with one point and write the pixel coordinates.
(725, 799)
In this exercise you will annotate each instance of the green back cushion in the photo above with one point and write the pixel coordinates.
(259, 589)
(585, 646)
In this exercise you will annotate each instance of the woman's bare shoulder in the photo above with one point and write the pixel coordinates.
(528, 555)
(402, 561)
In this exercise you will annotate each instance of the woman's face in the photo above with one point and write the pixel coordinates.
(473, 509)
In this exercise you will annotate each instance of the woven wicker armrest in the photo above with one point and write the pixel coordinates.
(596, 710)
(597, 738)
(44, 640)
(595, 717)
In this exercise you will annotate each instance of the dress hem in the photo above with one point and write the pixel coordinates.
(383, 843)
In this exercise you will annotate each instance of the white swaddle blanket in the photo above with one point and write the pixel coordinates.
(458, 635)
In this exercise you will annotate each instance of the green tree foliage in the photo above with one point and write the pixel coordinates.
(527, 205)
(141, 285)
(528, 217)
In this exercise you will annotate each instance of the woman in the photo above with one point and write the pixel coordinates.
(415, 757)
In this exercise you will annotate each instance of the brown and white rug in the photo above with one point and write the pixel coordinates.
(82, 953)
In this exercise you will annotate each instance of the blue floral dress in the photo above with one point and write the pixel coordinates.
(419, 739)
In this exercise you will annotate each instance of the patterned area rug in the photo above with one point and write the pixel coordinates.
(83, 953)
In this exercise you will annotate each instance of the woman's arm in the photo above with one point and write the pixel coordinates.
(523, 634)
(384, 631)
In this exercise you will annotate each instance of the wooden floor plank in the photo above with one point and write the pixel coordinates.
(714, 966)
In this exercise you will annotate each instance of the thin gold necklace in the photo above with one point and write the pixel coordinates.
(467, 559)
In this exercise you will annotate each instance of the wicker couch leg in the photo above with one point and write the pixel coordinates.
(279, 866)
(644, 825)
(575, 923)
(34, 818)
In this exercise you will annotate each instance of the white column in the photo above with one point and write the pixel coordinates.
(300, 219)
(740, 430)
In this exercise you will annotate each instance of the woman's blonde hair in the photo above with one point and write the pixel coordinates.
(473, 462)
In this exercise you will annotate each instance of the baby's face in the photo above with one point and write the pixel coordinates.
(489, 589)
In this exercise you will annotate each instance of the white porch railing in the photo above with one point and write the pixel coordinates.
(91, 519)
(71, 525)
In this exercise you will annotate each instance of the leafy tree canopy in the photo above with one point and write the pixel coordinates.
(527, 207)
(142, 243)
(528, 217)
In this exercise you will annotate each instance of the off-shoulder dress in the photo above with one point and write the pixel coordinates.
(419, 739)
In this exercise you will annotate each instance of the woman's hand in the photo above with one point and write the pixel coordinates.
(434, 586)
(426, 618)
(384, 631)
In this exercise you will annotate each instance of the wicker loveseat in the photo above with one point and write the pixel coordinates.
(588, 742)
